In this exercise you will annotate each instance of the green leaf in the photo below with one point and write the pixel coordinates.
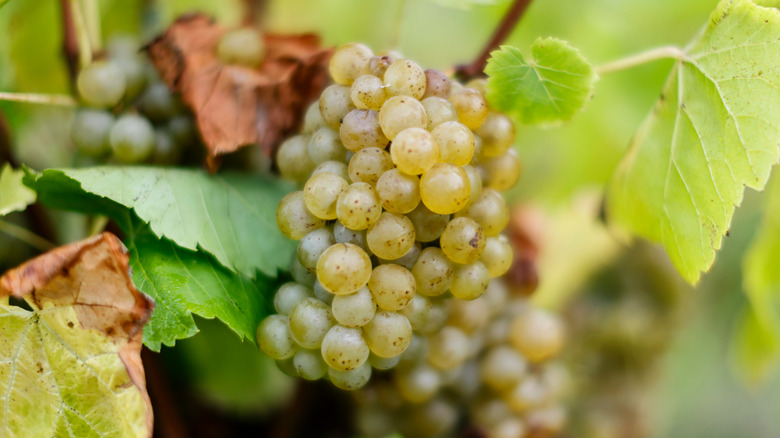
(230, 216)
(468, 4)
(548, 88)
(3, 2)
(713, 131)
(14, 195)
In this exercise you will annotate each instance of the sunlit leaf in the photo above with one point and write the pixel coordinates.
(14, 195)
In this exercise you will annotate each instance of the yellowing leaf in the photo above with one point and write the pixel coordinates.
(714, 130)
(14, 195)
(71, 367)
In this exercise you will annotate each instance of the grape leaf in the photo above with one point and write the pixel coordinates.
(549, 87)
(14, 195)
(72, 365)
(230, 216)
(714, 130)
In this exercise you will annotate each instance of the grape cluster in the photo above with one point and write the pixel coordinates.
(129, 113)
(399, 216)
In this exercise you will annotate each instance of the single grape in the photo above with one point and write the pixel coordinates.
(312, 245)
(391, 236)
(309, 364)
(358, 206)
(438, 111)
(343, 268)
(470, 281)
(321, 193)
(502, 367)
(445, 188)
(497, 256)
(470, 316)
(489, 211)
(417, 311)
(90, 131)
(352, 379)
(471, 107)
(368, 164)
(274, 337)
(497, 133)
(407, 260)
(355, 237)
(310, 320)
(463, 240)
(157, 103)
(344, 348)
(432, 272)
(293, 159)
(437, 319)
(360, 129)
(324, 145)
(428, 225)
(414, 151)
(312, 120)
(392, 286)
(349, 62)
(335, 103)
(537, 334)
(399, 113)
(437, 84)
(368, 92)
(294, 219)
(503, 171)
(335, 167)
(354, 310)
(418, 384)
(399, 192)
(182, 130)
(405, 78)
(132, 138)
(378, 65)
(527, 394)
(383, 363)
(448, 348)
(388, 334)
(133, 68)
(475, 181)
(243, 47)
(289, 295)
(101, 84)
(166, 150)
(456, 143)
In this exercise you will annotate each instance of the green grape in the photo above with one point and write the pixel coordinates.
(512, 427)
(287, 367)
(294, 219)
(391, 236)
(416, 353)
(388, 334)
(477, 150)
(374, 421)
(360, 129)
(310, 320)
(428, 225)
(322, 294)
(527, 394)
(470, 316)
(349, 62)
(300, 274)
(378, 65)
(488, 410)
(418, 384)
(392, 286)
(435, 418)
(497, 296)
(243, 47)
(502, 367)
(131, 138)
(335, 103)
(489, 211)
(475, 181)
(407, 260)
(157, 103)
(166, 150)
(293, 160)
(358, 206)
(368, 92)
(383, 363)
(497, 256)
(321, 193)
(122, 45)
(101, 84)
(324, 145)
(312, 120)
(463, 240)
(479, 84)
(536, 334)
(182, 130)
(133, 68)
(90, 131)
(417, 311)
(335, 167)
(289, 295)
(399, 113)
(368, 164)
(414, 151)
(445, 188)
(437, 318)
(456, 143)
(448, 348)
(312, 245)
(471, 107)
(309, 364)
(503, 171)
(437, 84)
(343, 268)
(345, 235)
(344, 348)
(399, 192)
(547, 420)
(352, 379)
(432, 272)
(470, 281)
(274, 337)
(438, 111)
(405, 78)
(497, 133)
(354, 310)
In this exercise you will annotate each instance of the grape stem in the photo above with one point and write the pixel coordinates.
(26, 236)
(46, 99)
(70, 44)
(82, 34)
(642, 58)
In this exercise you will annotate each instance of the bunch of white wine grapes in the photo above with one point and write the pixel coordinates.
(400, 211)
(128, 113)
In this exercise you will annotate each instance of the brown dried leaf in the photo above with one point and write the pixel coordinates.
(236, 106)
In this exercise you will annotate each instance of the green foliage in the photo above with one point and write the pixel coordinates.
(468, 4)
(550, 87)
(14, 195)
(713, 130)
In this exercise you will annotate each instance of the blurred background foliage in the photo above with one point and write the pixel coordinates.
(697, 390)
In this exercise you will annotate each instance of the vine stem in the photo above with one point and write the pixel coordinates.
(641, 58)
(82, 34)
(91, 12)
(70, 43)
(46, 99)
(26, 236)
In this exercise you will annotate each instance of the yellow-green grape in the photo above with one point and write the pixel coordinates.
(448, 348)
(470, 281)
(487, 410)
(321, 193)
(349, 62)
(378, 65)
(470, 316)
(511, 427)
(438, 110)
(354, 310)
(312, 245)
(309, 364)
(399, 113)
(477, 150)
(463, 240)
(312, 120)
(432, 272)
(392, 286)
(536, 334)
(546, 420)
(241, 47)
(527, 394)
(101, 84)
(388, 334)
(294, 219)
(418, 384)
(416, 353)
(344, 348)
(498, 134)
(407, 260)
(345, 235)
(289, 295)
(489, 211)
(456, 143)
(399, 192)
(417, 311)
(497, 296)
(373, 420)
(321, 293)
(502, 367)
(324, 145)
(471, 107)
(497, 256)
(360, 129)
(310, 320)
(437, 84)
(293, 160)
(391, 236)
(503, 171)
(414, 151)
(475, 181)
(479, 84)
(337, 167)
(358, 206)
(368, 92)
(274, 338)
(335, 103)
(428, 225)
(343, 268)
(383, 363)
(445, 188)
(352, 379)
(301, 274)
(435, 418)
(405, 78)
(368, 164)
